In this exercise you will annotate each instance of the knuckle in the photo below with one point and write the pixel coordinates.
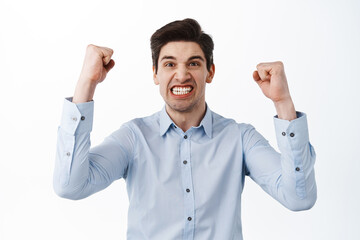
(279, 64)
(277, 67)
(91, 47)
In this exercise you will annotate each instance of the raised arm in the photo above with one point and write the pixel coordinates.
(79, 170)
(288, 177)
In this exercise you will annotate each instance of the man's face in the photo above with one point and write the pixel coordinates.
(182, 76)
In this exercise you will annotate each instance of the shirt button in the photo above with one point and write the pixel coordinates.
(185, 136)
(82, 118)
(74, 119)
(68, 154)
(189, 218)
(292, 134)
(297, 169)
(184, 162)
(187, 190)
(283, 133)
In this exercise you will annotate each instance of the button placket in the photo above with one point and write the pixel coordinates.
(189, 205)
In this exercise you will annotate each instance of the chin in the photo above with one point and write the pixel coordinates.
(183, 106)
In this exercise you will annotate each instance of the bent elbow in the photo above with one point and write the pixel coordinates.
(66, 195)
(66, 192)
(302, 204)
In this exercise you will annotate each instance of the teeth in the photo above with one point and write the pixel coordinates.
(181, 90)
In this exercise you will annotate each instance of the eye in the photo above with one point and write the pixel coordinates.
(169, 64)
(194, 64)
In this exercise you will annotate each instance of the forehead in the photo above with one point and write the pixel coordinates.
(181, 50)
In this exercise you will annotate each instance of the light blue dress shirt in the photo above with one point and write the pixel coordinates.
(184, 185)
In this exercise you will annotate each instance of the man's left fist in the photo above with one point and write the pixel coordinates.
(272, 80)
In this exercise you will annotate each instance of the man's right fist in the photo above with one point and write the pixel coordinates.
(97, 64)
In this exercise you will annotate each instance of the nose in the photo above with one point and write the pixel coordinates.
(182, 74)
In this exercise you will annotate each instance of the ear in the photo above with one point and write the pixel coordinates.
(211, 74)
(156, 81)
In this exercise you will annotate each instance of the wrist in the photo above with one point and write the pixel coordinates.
(84, 91)
(285, 109)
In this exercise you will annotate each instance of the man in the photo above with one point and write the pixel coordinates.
(185, 165)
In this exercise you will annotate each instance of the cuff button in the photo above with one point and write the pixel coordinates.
(82, 118)
(283, 133)
(292, 134)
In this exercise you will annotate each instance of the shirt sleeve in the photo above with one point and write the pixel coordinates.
(288, 177)
(80, 170)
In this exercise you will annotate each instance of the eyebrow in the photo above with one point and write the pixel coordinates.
(196, 57)
(167, 57)
(190, 58)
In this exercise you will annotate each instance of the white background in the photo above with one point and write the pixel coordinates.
(42, 45)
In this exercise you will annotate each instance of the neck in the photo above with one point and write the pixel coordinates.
(186, 120)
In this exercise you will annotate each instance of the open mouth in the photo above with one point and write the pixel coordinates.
(179, 91)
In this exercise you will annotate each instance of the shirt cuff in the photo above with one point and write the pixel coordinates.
(294, 133)
(77, 118)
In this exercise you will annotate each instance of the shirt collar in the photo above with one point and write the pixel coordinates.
(207, 122)
(166, 122)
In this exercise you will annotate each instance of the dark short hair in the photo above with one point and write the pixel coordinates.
(188, 30)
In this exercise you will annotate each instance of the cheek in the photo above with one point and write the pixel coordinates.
(163, 80)
(200, 79)
(163, 89)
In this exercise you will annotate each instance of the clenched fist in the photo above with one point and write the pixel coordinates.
(97, 64)
(272, 80)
